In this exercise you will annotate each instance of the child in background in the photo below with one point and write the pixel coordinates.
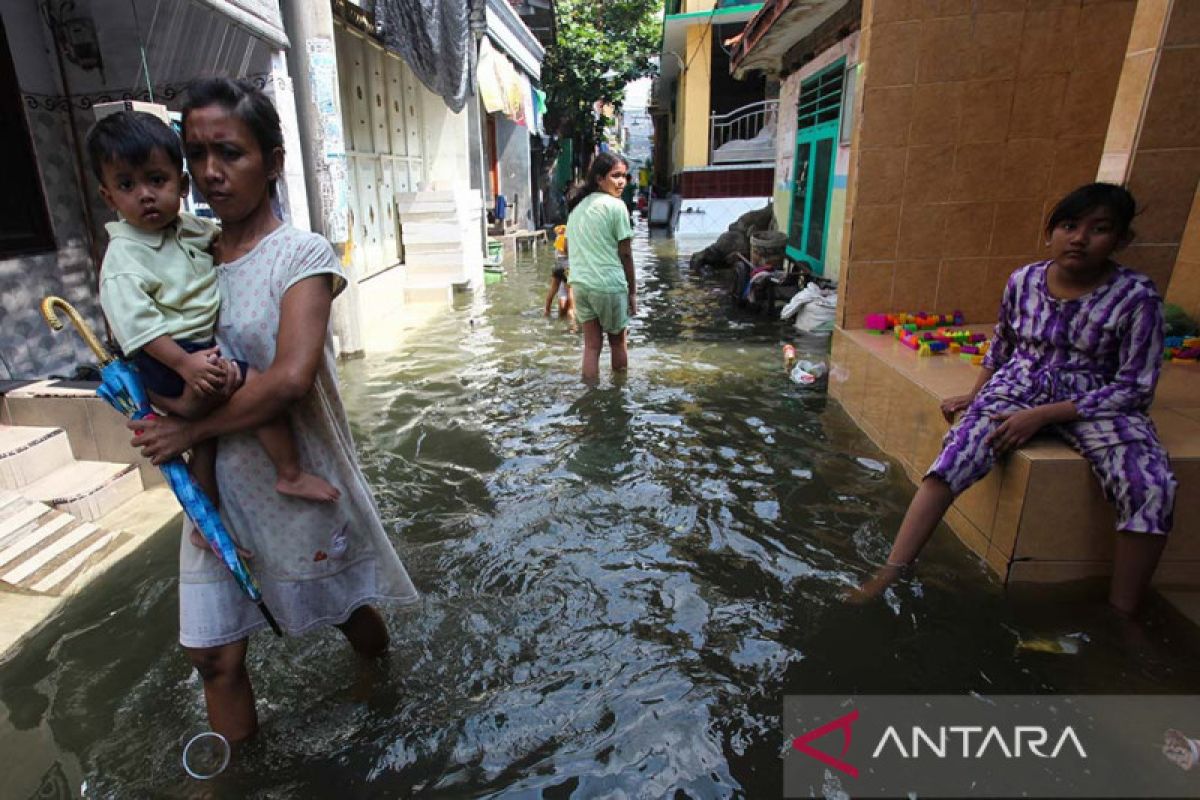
(559, 285)
(158, 288)
(1077, 351)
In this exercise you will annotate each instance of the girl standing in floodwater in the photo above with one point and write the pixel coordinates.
(602, 279)
(1077, 351)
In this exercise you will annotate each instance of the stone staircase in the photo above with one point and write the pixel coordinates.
(52, 509)
(440, 231)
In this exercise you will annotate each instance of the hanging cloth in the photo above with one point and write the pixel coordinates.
(433, 37)
(491, 90)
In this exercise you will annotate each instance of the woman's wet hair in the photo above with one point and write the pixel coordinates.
(245, 101)
(131, 137)
(1085, 199)
(602, 164)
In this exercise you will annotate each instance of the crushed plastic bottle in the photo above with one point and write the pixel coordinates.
(807, 372)
(1181, 750)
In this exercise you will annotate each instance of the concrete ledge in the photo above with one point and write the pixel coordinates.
(95, 430)
(1040, 515)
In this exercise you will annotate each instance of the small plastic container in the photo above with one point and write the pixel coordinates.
(206, 755)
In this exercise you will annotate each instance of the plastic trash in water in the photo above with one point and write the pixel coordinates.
(1181, 750)
(1063, 646)
(807, 372)
(789, 357)
(206, 755)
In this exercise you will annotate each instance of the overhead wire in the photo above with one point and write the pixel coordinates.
(137, 30)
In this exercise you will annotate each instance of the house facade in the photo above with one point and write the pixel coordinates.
(714, 132)
(58, 61)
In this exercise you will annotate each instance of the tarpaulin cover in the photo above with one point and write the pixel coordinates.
(433, 37)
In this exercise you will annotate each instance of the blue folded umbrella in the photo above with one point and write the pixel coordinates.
(121, 387)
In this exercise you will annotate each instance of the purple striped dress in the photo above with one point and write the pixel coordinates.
(1102, 351)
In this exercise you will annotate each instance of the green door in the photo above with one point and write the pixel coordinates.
(816, 148)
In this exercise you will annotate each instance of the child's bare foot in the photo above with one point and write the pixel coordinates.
(876, 585)
(198, 540)
(308, 487)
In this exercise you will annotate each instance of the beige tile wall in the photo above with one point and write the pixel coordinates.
(1184, 288)
(976, 116)
(1153, 142)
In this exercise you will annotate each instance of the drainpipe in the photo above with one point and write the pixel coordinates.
(479, 162)
(312, 61)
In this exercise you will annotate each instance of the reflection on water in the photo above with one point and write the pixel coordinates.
(620, 584)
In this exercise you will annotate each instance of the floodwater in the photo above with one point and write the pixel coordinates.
(620, 584)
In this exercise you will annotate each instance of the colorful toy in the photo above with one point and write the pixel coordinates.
(881, 323)
(1182, 349)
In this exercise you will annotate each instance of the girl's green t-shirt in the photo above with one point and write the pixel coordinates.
(594, 229)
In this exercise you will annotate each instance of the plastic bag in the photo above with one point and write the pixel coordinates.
(815, 309)
(807, 372)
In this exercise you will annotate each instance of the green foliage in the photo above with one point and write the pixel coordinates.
(601, 46)
(1178, 321)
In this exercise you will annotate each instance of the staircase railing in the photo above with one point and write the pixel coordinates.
(741, 123)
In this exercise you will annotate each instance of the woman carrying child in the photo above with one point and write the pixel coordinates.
(317, 563)
(602, 278)
(1077, 351)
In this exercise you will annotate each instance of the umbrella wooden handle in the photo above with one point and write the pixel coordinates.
(82, 327)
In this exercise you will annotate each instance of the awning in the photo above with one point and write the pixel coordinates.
(775, 29)
(260, 17)
(504, 89)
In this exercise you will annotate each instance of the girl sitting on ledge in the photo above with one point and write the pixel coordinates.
(1077, 351)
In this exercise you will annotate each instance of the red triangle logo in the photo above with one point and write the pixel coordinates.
(843, 724)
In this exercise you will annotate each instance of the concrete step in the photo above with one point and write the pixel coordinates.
(28, 454)
(87, 489)
(42, 549)
(431, 290)
(440, 232)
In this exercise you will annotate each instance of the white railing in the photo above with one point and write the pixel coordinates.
(743, 123)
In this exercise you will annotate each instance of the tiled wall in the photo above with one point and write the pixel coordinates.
(975, 117)
(1184, 289)
(28, 348)
(1153, 142)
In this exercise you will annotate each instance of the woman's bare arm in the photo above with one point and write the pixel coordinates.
(300, 345)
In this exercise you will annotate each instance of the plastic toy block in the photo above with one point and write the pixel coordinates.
(877, 322)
